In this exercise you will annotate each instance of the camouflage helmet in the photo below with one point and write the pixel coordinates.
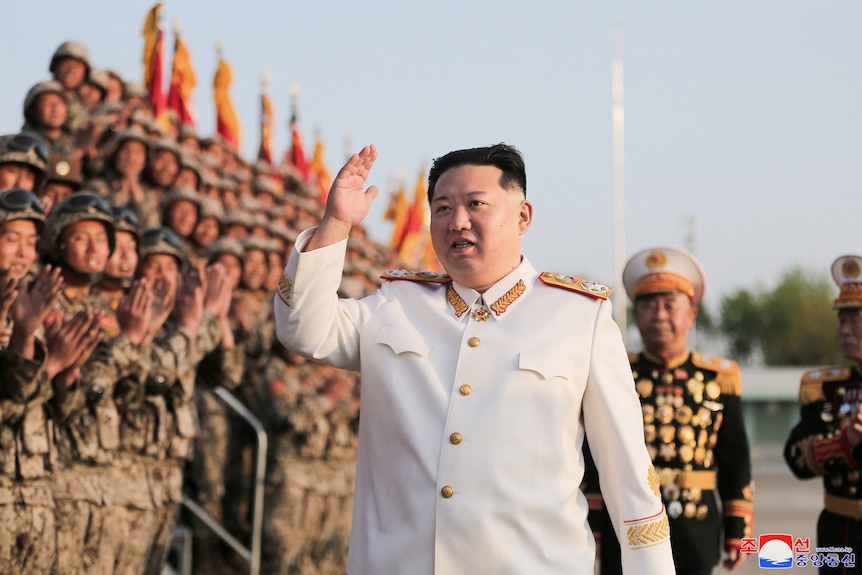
(46, 87)
(28, 149)
(70, 49)
(125, 220)
(174, 195)
(258, 243)
(164, 241)
(21, 204)
(135, 90)
(240, 217)
(164, 143)
(121, 138)
(100, 79)
(79, 207)
(225, 246)
(211, 208)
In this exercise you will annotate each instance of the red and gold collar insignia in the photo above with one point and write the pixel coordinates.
(458, 303)
(499, 307)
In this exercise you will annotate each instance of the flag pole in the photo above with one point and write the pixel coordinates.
(619, 184)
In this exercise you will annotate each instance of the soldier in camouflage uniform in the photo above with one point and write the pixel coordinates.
(45, 113)
(310, 415)
(91, 493)
(826, 441)
(27, 529)
(213, 455)
(123, 176)
(693, 423)
(70, 67)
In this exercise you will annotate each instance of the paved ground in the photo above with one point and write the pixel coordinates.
(782, 504)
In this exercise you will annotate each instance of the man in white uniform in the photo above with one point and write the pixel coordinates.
(477, 388)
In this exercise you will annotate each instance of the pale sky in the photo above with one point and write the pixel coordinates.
(742, 117)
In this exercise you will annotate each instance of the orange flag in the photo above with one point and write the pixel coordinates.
(411, 245)
(183, 81)
(227, 123)
(264, 152)
(429, 261)
(319, 172)
(397, 212)
(153, 62)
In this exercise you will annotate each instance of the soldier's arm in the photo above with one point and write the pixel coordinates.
(733, 459)
(812, 449)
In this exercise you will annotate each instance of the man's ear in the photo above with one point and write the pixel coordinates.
(525, 216)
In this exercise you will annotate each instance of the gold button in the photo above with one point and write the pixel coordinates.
(455, 438)
(465, 389)
(447, 492)
(474, 342)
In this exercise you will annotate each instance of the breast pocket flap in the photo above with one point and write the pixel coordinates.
(403, 341)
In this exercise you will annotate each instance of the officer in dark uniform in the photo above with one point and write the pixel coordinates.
(826, 442)
(693, 423)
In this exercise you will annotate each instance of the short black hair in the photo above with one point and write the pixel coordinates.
(502, 156)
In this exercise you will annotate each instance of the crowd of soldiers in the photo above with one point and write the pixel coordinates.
(138, 262)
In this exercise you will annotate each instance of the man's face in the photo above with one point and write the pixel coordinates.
(664, 320)
(232, 267)
(161, 270)
(53, 193)
(187, 178)
(70, 72)
(182, 217)
(276, 269)
(131, 157)
(115, 90)
(85, 246)
(255, 270)
(476, 225)
(18, 240)
(124, 260)
(90, 94)
(850, 333)
(206, 232)
(14, 175)
(51, 110)
(164, 168)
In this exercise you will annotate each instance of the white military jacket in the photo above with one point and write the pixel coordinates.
(472, 423)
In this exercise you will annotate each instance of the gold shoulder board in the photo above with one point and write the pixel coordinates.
(727, 372)
(415, 276)
(811, 387)
(571, 283)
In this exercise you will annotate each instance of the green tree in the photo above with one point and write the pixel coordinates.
(793, 324)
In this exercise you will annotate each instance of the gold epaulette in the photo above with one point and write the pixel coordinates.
(727, 372)
(571, 283)
(408, 275)
(811, 387)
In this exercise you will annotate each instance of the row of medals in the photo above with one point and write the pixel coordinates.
(828, 417)
(681, 431)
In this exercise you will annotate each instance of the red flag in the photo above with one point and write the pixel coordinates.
(183, 81)
(153, 63)
(297, 152)
(411, 244)
(227, 123)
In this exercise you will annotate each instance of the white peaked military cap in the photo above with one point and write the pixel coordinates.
(847, 272)
(662, 270)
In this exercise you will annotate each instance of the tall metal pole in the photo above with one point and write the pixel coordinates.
(619, 180)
